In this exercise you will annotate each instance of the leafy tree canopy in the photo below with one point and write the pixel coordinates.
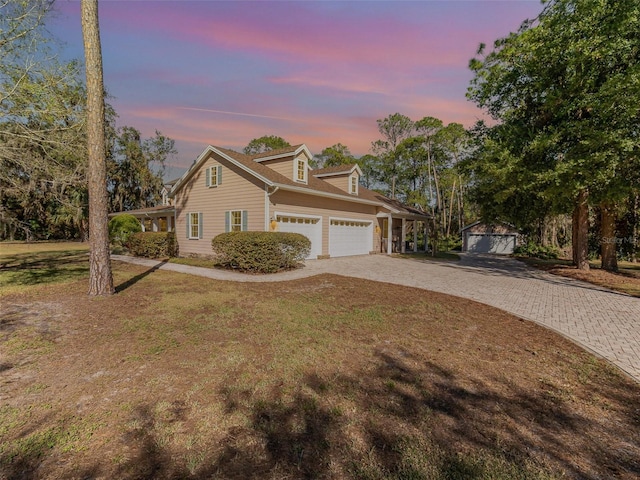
(265, 144)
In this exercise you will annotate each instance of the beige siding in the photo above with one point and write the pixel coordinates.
(282, 166)
(238, 191)
(291, 202)
(341, 182)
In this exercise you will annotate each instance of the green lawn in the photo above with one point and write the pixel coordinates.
(178, 376)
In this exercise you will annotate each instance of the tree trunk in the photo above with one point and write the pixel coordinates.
(100, 277)
(608, 237)
(580, 231)
(635, 245)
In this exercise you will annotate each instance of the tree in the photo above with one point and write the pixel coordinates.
(41, 124)
(135, 169)
(394, 129)
(100, 276)
(335, 155)
(265, 144)
(566, 91)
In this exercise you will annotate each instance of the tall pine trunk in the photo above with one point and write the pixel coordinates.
(100, 277)
(608, 237)
(580, 231)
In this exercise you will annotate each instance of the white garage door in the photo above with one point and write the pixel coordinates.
(310, 227)
(488, 243)
(350, 237)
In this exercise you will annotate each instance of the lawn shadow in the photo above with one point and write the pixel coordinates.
(405, 418)
(132, 281)
(36, 268)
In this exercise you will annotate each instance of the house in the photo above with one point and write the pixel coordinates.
(160, 218)
(480, 237)
(278, 191)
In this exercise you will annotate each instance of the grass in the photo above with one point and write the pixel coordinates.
(439, 256)
(327, 377)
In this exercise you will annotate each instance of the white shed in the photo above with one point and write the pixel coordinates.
(480, 237)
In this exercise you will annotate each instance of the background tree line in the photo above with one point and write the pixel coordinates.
(560, 160)
(43, 185)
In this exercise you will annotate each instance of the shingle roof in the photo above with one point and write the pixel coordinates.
(334, 169)
(252, 164)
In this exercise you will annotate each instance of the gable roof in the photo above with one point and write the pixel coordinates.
(337, 170)
(314, 186)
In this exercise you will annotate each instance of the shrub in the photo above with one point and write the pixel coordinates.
(121, 227)
(153, 244)
(263, 252)
(536, 251)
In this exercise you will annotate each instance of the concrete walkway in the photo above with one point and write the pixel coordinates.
(604, 322)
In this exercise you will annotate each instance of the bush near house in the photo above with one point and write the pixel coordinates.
(121, 227)
(260, 252)
(153, 244)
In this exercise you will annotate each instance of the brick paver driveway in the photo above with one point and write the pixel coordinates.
(602, 321)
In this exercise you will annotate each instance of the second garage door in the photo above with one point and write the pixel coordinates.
(310, 227)
(491, 243)
(350, 237)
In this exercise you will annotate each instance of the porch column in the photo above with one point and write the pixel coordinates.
(403, 245)
(141, 220)
(415, 236)
(426, 237)
(168, 219)
(154, 224)
(389, 235)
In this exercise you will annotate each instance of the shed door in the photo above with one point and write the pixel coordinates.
(350, 237)
(310, 227)
(491, 243)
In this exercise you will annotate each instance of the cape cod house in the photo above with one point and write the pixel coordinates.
(278, 191)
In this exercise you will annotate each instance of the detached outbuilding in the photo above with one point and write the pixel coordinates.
(481, 237)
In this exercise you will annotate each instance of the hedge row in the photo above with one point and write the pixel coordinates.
(153, 244)
(260, 252)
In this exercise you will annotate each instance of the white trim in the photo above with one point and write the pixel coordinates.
(335, 174)
(357, 185)
(305, 170)
(296, 215)
(295, 153)
(344, 219)
(202, 157)
(318, 193)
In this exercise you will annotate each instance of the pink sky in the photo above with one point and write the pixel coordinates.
(314, 72)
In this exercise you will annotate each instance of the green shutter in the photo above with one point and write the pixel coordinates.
(199, 225)
(227, 221)
(208, 177)
(188, 225)
(219, 174)
(245, 220)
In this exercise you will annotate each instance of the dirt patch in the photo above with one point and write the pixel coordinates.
(324, 377)
(625, 282)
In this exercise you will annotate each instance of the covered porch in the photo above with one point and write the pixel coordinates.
(403, 232)
(154, 219)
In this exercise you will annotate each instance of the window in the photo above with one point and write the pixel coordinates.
(353, 185)
(236, 221)
(194, 225)
(214, 176)
(300, 173)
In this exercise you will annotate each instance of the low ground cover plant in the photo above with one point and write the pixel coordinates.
(533, 250)
(260, 252)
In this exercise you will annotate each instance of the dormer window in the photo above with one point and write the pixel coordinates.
(353, 184)
(300, 171)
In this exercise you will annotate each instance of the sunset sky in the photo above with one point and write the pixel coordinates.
(314, 72)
